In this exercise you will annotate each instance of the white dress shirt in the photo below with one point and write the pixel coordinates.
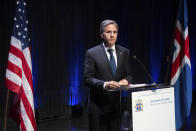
(108, 55)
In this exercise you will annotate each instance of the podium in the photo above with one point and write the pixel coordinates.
(152, 107)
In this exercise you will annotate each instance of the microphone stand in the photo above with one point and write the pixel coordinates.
(145, 70)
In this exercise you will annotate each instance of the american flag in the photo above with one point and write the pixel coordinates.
(19, 70)
(181, 76)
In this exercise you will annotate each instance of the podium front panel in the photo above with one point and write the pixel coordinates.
(153, 110)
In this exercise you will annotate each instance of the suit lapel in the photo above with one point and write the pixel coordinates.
(105, 59)
(119, 59)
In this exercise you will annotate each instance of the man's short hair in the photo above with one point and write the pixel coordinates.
(104, 23)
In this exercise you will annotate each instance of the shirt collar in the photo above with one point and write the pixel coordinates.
(113, 47)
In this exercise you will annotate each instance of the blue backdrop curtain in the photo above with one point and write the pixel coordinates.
(61, 31)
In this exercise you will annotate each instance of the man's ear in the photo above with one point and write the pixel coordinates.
(102, 36)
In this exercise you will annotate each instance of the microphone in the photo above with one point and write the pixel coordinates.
(144, 68)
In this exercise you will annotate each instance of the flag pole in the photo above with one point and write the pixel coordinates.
(169, 61)
(6, 110)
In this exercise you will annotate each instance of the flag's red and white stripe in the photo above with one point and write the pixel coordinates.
(19, 80)
(181, 55)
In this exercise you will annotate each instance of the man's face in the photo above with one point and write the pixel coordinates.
(110, 35)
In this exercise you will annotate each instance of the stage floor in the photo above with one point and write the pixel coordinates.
(69, 124)
(80, 123)
(58, 124)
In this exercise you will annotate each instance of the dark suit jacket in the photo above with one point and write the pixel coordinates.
(97, 70)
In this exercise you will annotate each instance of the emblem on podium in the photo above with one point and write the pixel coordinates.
(138, 105)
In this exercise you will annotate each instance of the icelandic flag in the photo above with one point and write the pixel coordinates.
(181, 76)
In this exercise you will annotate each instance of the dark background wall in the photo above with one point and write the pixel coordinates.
(61, 31)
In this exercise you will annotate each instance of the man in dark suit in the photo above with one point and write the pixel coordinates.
(106, 66)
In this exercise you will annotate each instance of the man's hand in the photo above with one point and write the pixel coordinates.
(112, 84)
(123, 82)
